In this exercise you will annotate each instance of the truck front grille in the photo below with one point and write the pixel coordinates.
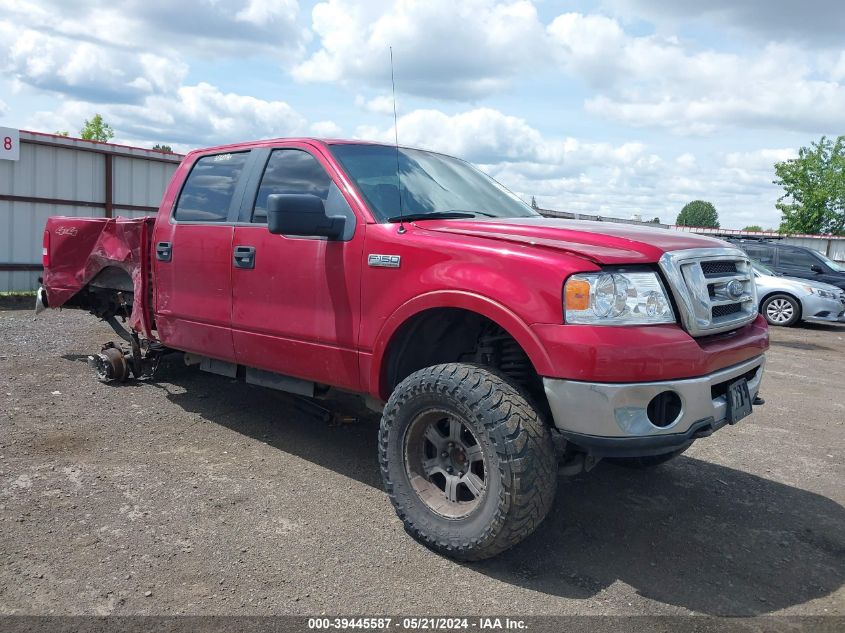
(713, 287)
(716, 268)
(725, 310)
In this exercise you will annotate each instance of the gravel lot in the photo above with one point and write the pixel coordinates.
(195, 495)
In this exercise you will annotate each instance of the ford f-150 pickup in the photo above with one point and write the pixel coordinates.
(501, 346)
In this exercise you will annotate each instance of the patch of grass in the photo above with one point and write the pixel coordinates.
(18, 293)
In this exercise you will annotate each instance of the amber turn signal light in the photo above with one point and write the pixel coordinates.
(577, 294)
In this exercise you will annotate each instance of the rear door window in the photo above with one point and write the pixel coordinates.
(208, 192)
(796, 259)
(763, 254)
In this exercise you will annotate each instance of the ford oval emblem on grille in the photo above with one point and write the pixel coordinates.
(735, 289)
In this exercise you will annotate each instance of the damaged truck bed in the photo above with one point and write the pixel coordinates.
(88, 261)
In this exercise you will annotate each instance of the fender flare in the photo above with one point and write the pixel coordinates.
(460, 299)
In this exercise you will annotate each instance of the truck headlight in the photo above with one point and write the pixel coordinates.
(611, 298)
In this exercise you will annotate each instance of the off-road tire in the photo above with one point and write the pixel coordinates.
(518, 452)
(646, 461)
(774, 316)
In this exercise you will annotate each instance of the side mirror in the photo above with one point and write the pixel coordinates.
(816, 268)
(302, 214)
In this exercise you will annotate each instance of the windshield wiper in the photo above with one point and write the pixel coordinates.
(432, 215)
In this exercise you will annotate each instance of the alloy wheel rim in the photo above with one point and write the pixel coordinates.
(445, 464)
(780, 311)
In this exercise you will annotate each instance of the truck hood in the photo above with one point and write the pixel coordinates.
(600, 242)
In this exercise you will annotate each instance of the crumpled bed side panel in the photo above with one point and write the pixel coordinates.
(80, 248)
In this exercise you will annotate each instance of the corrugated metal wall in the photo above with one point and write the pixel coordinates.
(139, 182)
(55, 172)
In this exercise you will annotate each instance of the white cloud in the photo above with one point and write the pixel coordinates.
(686, 160)
(595, 177)
(198, 115)
(656, 81)
(469, 50)
(325, 129)
(488, 136)
(442, 49)
(811, 22)
(380, 104)
(216, 29)
(86, 69)
(127, 62)
(837, 72)
(264, 13)
(3, 107)
(761, 159)
(481, 135)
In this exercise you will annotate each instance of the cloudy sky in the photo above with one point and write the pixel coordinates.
(615, 107)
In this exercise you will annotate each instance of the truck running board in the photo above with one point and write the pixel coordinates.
(252, 375)
(279, 381)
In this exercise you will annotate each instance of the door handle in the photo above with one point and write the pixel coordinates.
(244, 257)
(164, 251)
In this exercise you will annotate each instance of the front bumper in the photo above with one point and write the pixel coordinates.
(822, 309)
(613, 419)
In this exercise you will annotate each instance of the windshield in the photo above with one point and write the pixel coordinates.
(837, 267)
(763, 270)
(430, 183)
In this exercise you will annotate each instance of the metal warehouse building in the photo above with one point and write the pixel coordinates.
(57, 175)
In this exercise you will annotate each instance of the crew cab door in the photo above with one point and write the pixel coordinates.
(193, 257)
(296, 300)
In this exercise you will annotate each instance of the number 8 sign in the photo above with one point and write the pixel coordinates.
(10, 140)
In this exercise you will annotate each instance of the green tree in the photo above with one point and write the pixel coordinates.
(61, 133)
(162, 148)
(698, 213)
(753, 227)
(814, 188)
(656, 220)
(95, 129)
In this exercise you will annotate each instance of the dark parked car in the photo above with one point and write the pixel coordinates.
(795, 261)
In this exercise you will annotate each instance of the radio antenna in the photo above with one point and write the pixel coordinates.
(396, 139)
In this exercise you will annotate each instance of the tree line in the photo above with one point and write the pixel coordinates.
(96, 129)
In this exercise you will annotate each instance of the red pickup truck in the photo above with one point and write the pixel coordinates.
(500, 345)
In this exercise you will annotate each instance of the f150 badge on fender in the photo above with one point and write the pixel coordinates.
(384, 261)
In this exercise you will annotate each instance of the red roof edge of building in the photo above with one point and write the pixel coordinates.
(86, 140)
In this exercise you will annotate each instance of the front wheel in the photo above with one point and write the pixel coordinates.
(781, 309)
(469, 466)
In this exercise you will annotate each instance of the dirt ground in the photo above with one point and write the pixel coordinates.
(194, 495)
